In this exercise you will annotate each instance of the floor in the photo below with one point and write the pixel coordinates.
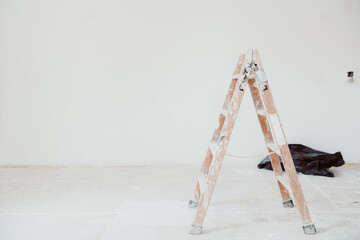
(150, 202)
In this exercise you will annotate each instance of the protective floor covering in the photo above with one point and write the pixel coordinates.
(150, 203)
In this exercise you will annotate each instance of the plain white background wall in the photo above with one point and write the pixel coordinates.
(129, 82)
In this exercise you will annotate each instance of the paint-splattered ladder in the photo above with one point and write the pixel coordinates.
(249, 71)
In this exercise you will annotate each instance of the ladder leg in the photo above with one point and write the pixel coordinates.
(216, 163)
(209, 155)
(287, 201)
(215, 138)
(281, 147)
(308, 225)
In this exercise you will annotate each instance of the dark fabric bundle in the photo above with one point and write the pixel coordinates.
(309, 161)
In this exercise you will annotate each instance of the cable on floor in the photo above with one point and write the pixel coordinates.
(254, 156)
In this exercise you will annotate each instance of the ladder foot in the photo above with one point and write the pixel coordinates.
(288, 204)
(309, 229)
(193, 204)
(195, 229)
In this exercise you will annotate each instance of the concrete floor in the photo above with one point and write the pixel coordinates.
(150, 202)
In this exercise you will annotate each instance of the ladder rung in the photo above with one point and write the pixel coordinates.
(236, 76)
(277, 129)
(202, 180)
(213, 146)
(261, 112)
(224, 111)
(284, 181)
(274, 147)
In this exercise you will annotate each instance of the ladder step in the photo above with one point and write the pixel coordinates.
(202, 181)
(274, 147)
(284, 181)
(224, 111)
(277, 129)
(213, 146)
(261, 112)
(236, 76)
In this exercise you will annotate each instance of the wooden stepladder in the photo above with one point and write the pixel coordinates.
(249, 71)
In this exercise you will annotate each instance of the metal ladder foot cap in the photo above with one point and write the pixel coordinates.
(195, 229)
(288, 204)
(193, 204)
(309, 229)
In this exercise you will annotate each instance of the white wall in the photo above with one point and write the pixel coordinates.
(129, 82)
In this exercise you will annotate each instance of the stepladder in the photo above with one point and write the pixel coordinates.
(249, 73)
